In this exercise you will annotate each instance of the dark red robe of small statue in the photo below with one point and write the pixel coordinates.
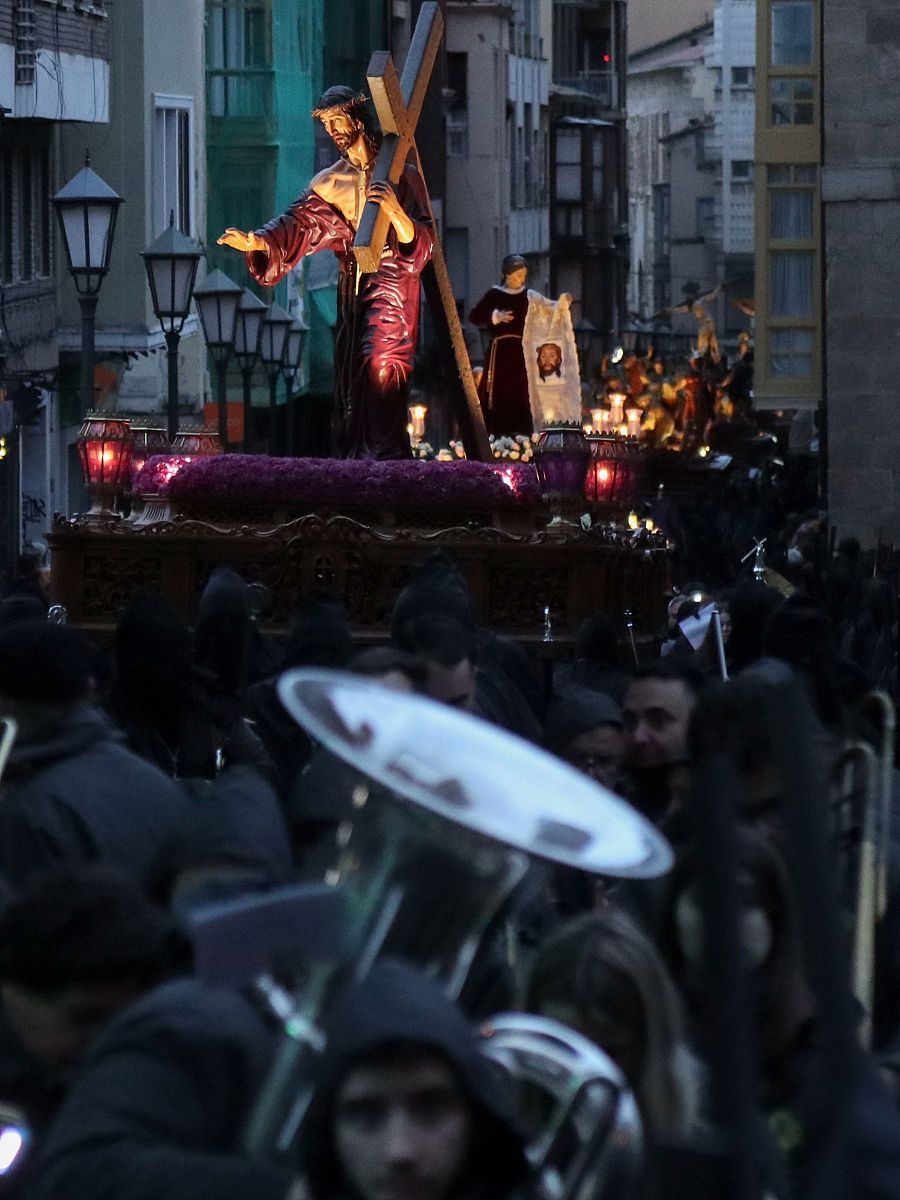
(503, 387)
(378, 320)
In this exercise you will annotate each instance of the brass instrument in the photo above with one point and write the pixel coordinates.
(448, 811)
(585, 1135)
(7, 738)
(862, 806)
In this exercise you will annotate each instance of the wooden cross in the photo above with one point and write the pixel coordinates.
(398, 104)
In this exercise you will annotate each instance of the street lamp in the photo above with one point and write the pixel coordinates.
(250, 313)
(293, 359)
(273, 336)
(585, 336)
(171, 263)
(86, 209)
(217, 301)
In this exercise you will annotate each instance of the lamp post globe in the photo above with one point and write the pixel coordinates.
(217, 301)
(86, 209)
(291, 366)
(171, 263)
(273, 337)
(247, 329)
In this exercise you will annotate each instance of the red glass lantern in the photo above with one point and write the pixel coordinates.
(148, 440)
(105, 446)
(614, 469)
(196, 443)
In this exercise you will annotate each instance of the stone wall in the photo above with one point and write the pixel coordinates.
(861, 205)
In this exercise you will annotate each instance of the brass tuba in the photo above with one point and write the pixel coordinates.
(448, 812)
(585, 1135)
(861, 804)
(10, 728)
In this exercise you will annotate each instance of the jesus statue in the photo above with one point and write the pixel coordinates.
(378, 313)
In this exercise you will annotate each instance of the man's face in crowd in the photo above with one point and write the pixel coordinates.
(656, 714)
(453, 684)
(403, 1129)
(598, 753)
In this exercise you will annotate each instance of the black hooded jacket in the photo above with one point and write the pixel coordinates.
(395, 1003)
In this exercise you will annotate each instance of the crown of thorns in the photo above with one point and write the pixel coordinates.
(344, 101)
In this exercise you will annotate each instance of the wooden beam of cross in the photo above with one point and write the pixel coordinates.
(398, 104)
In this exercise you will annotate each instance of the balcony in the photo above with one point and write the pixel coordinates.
(240, 93)
(600, 85)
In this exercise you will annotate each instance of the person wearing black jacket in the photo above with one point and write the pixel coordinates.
(71, 792)
(407, 1106)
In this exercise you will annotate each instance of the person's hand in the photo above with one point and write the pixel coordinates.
(503, 316)
(382, 193)
(566, 298)
(238, 240)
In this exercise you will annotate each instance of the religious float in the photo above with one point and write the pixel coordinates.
(542, 543)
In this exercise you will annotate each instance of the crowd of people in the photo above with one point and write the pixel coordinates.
(158, 777)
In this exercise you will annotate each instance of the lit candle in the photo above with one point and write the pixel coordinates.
(599, 417)
(633, 416)
(418, 413)
(617, 404)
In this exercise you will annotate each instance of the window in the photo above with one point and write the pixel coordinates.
(743, 77)
(238, 54)
(792, 33)
(662, 217)
(569, 220)
(791, 352)
(456, 248)
(791, 216)
(706, 217)
(792, 267)
(25, 218)
(742, 170)
(237, 34)
(791, 283)
(791, 100)
(597, 168)
(527, 160)
(172, 163)
(568, 164)
(458, 108)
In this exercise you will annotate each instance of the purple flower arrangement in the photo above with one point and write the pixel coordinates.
(339, 484)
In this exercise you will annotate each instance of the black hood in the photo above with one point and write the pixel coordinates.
(397, 1003)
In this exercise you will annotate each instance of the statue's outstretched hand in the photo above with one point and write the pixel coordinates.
(239, 240)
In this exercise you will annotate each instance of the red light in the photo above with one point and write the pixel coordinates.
(602, 474)
(606, 58)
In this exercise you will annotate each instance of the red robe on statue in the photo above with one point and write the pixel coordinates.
(377, 322)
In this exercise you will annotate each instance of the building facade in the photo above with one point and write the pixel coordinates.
(589, 249)
(692, 128)
(497, 145)
(860, 223)
(789, 331)
(55, 71)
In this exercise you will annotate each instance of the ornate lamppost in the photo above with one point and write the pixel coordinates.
(217, 301)
(250, 313)
(291, 366)
(86, 209)
(171, 263)
(273, 335)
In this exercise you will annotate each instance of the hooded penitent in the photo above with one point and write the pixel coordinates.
(394, 1004)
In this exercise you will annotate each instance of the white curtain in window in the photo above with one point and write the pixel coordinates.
(791, 216)
(791, 282)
